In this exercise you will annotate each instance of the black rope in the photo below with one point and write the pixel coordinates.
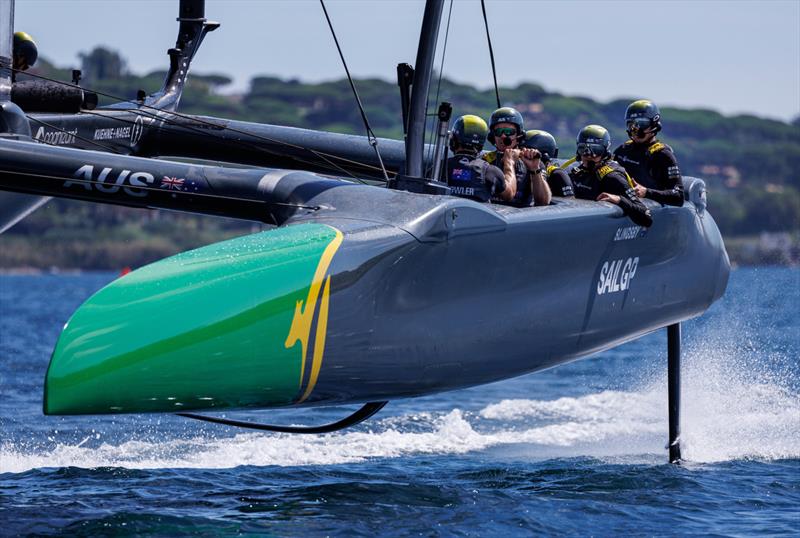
(373, 140)
(439, 84)
(194, 131)
(198, 132)
(491, 52)
(205, 135)
(322, 155)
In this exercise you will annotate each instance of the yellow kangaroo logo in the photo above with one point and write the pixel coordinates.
(304, 317)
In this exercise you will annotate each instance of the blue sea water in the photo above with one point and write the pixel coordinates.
(576, 450)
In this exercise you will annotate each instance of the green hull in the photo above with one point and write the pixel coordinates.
(236, 324)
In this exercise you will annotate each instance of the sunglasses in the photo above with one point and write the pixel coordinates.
(591, 150)
(638, 124)
(505, 131)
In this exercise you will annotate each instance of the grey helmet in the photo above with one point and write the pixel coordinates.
(505, 114)
(593, 140)
(542, 141)
(641, 115)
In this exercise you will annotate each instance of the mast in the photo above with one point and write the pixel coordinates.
(415, 141)
(191, 32)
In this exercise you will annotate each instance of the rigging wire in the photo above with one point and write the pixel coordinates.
(491, 52)
(373, 141)
(327, 157)
(439, 84)
(202, 134)
(128, 122)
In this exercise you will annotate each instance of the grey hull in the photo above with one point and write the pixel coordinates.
(464, 293)
(432, 293)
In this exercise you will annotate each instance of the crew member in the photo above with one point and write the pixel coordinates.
(557, 178)
(471, 177)
(25, 52)
(505, 132)
(650, 163)
(599, 178)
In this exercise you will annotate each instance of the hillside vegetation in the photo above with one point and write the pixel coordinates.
(750, 164)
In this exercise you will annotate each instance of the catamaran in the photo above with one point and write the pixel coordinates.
(372, 284)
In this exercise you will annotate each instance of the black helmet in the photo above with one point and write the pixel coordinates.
(25, 51)
(543, 141)
(505, 114)
(593, 140)
(641, 115)
(469, 131)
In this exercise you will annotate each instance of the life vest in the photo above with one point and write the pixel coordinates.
(611, 166)
(524, 196)
(466, 178)
(558, 180)
(636, 159)
(588, 184)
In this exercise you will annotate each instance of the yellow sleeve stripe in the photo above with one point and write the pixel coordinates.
(630, 180)
(567, 163)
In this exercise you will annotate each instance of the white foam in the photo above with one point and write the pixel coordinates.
(449, 434)
(731, 409)
(736, 407)
(748, 421)
(600, 406)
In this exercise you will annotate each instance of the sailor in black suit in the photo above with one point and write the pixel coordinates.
(599, 178)
(468, 175)
(651, 164)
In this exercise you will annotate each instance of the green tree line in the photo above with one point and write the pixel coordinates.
(750, 164)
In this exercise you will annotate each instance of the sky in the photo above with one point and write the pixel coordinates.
(730, 56)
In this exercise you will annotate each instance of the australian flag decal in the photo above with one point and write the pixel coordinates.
(462, 174)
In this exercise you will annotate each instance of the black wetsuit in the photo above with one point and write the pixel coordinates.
(559, 181)
(524, 196)
(653, 165)
(610, 177)
(471, 177)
